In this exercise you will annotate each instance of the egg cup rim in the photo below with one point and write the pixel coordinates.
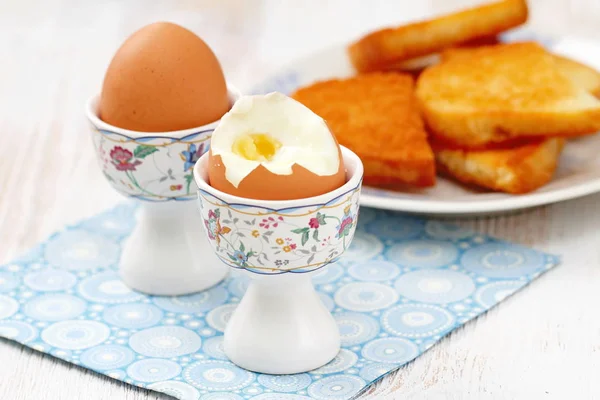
(353, 183)
(91, 111)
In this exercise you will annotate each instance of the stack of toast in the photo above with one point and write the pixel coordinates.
(445, 95)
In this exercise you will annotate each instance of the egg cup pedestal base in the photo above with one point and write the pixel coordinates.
(167, 252)
(281, 326)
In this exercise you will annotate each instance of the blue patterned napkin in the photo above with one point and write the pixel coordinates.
(404, 284)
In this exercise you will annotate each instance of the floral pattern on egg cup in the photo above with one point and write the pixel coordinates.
(146, 165)
(281, 325)
(269, 241)
(155, 168)
(167, 253)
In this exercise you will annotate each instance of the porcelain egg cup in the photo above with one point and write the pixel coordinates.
(281, 325)
(167, 253)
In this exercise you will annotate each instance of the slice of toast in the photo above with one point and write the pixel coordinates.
(376, 116)
(387, 47)
(502, 93)
(581, 75)
(513, 170)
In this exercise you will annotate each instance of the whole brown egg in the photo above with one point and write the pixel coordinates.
(163, 78)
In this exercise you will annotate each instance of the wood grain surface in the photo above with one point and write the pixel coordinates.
(544, 342)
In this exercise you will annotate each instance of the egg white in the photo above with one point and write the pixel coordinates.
(304, 136)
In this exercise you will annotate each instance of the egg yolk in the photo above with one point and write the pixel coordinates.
(256, 147)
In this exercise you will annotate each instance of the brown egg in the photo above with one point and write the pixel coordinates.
(163, 78)
(262, 184)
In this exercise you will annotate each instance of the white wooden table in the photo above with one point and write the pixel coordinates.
(543, 342)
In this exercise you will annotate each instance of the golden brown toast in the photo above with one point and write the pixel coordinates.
(524, 167)
(581, 75)
(386, 47)
(376, 116)
(513, 170)
(497, 94)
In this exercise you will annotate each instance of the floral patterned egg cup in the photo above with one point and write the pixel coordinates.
(281, 325)
(167, 253)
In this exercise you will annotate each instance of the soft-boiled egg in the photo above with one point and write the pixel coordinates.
(271, 147)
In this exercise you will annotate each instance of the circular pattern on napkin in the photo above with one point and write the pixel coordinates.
(193, 303)
(494, 292)
(8, 281)
(390, 350)
(153, 370)
(107, 287)
(217, 375)
(8, 306)
(364, 246)
(50, 280)
(133, 315)
(75, 334)
(279, 396)
(119, 223)
(217, 318)
(373, 271)
(54, 307)
(356, 328)
(224, 396)
(165, 341)
(177, 389)
(18, 330)
(79, 249)
(336, 387)
(435, 286)
(343, 360)
(440, 230)
(106, 357)
(417, 320)
(330, 274)
(365, 296)
(500, 260)
(285, 383)
(214, 348)
(395, 228)
(372, 371)
(424, 253)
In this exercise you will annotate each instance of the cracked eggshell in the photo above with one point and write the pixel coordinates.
(309, 162)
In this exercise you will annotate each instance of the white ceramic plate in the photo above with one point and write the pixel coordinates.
(578, 173)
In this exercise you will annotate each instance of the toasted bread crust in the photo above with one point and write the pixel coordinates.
(495, 94)
(581, 75)
(415, 66)
(479, 129)
(514, 170)
(376, 116)
(386, 47)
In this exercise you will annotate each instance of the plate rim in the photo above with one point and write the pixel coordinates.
(515, 202)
